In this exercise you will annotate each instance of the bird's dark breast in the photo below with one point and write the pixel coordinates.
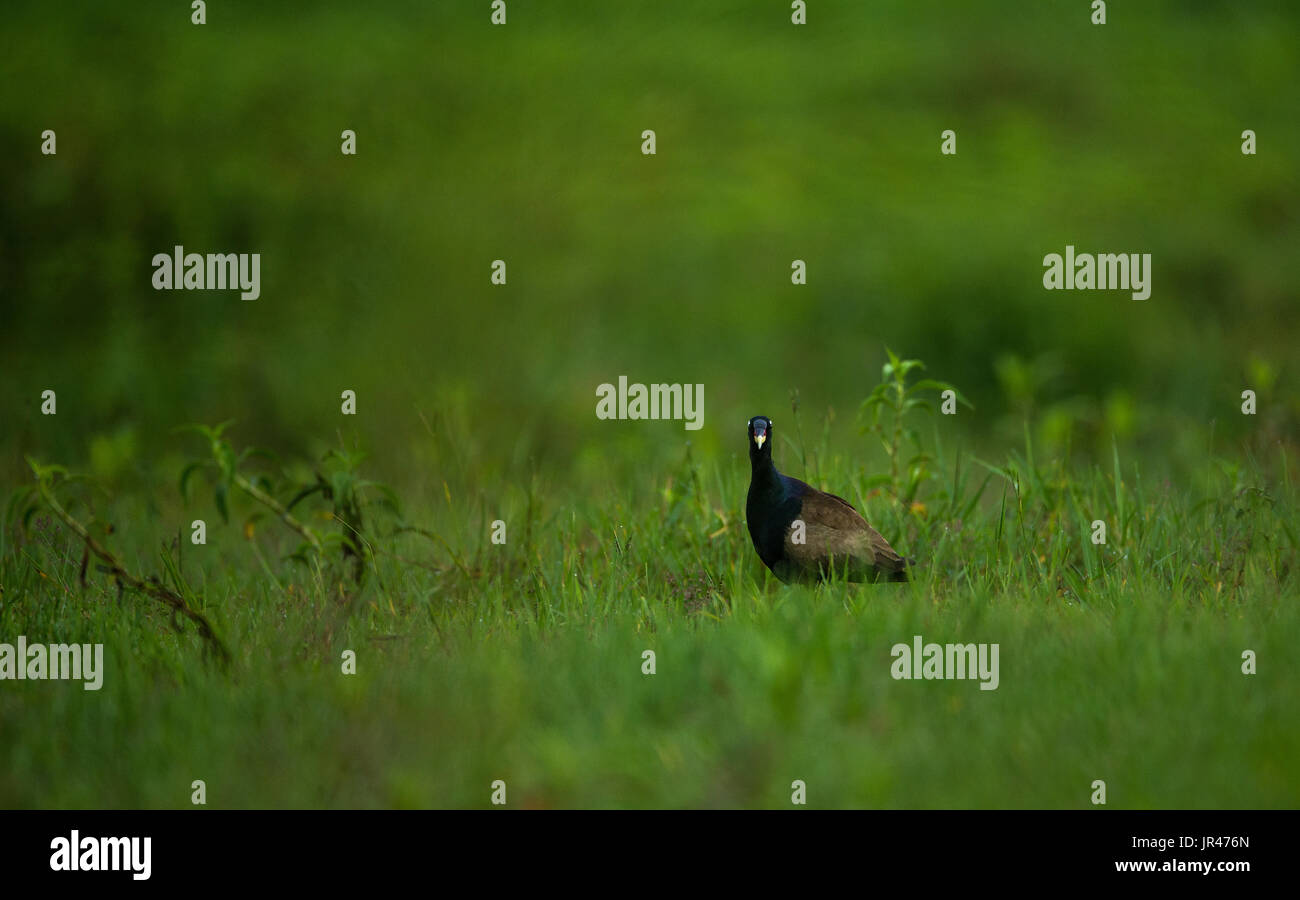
(769, 519)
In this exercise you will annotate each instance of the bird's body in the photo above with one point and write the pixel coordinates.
(804, 534)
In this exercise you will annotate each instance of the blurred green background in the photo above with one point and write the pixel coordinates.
(522, 143)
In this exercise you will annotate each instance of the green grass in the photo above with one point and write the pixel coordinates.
(523, 662)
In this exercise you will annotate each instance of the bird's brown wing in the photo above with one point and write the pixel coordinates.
(835, 535)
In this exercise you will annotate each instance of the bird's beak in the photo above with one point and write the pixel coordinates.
(759, 438)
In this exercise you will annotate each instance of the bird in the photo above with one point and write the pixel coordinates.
(836, 540)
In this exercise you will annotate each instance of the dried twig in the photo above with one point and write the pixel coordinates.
(151, 586)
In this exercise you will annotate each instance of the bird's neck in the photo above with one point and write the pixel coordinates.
(763, 474)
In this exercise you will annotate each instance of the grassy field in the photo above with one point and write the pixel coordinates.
(523, 661)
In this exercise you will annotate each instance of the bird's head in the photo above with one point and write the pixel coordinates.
(760, 434)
